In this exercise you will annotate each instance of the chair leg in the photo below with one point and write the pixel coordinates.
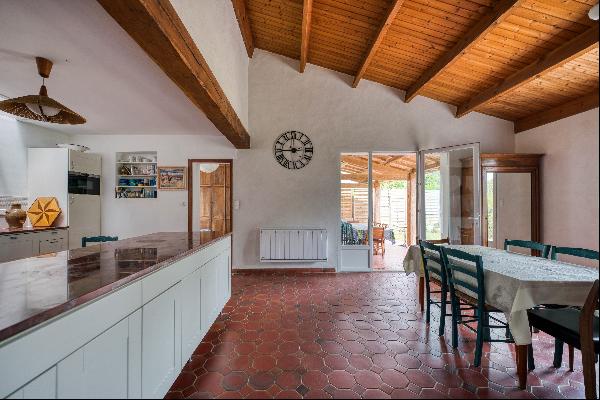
(480, 336)
(558, 352)
(571, 357)
(486, 330)
(530, 358)
(443, 312)
(428, 301)
(455, 316)
(589, 374)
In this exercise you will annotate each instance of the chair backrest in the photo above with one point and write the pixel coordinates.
(97, 239)
(378, 233)
(379, 225)
(574, 251)
(544, 249)
(432, 261)
(465, 274)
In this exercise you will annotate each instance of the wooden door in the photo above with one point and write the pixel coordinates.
(467, 205)
(215, 194)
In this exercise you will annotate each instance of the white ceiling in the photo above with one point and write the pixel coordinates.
(99, 71)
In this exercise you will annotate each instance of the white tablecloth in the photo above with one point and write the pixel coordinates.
(515, 283)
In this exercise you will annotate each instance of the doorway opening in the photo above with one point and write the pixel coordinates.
(378, 209)
(210, 196)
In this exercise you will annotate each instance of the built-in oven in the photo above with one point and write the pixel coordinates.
(81, 183)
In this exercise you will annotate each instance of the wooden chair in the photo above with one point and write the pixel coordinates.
(575, 252)
(434, 272)
(544, 249)
(465, 276)
(421, 279)
(378, 240)
(97, 239)
(440, 241)
(578, 328)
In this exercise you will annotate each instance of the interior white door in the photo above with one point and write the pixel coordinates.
(449, 194)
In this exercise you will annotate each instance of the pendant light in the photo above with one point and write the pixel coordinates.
(40, 107)
(209, 168)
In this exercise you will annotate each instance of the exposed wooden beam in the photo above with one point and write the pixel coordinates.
(387, 22)
(480, 29)
(306, 26)
(569, 51)
(239, 6)
(156, 27)
(573, 107)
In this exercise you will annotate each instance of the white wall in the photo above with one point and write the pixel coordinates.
(15, 138)
(569, 178)
(215, 30)
(322, 104)
(167, 213)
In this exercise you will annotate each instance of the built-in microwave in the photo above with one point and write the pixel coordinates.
(80, 183)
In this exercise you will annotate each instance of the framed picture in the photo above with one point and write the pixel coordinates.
(172, 178)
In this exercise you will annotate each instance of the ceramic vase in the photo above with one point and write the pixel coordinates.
(15, 216)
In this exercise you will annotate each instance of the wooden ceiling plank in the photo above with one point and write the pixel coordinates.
(485, 24)
(306, 25)
(568, 109)
(552, 60)
(387, 22)
(241, 13)
(156, 27)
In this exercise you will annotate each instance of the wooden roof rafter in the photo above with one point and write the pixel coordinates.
(241, 13)
(306, 28)
(387, 22)
(565, 53)
(480, 29)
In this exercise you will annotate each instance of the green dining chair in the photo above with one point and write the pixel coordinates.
(544, 249)
(434, 272)
(97, 239)
(465, 277)
(574, 252)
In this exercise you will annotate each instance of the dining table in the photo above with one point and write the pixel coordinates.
(515, 283)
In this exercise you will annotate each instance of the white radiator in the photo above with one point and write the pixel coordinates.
(290, 245)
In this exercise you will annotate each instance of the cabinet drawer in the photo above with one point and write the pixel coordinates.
(52, 245)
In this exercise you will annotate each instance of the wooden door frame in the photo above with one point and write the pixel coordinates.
(191, 163)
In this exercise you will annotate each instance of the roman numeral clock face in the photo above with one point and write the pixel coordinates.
(293, 150)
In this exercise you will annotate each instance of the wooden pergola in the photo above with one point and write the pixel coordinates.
(398, 167)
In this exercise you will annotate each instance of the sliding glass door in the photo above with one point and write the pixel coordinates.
(449, 194)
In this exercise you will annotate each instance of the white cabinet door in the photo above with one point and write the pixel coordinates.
(209, 294)
(15, 247)
(84, 218)
(191, 314)
(99, 369)
(161, 343)
(42, 387)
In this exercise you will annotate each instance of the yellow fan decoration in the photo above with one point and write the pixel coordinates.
(43, 212)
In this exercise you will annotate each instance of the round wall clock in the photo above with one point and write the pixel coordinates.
(293, 150)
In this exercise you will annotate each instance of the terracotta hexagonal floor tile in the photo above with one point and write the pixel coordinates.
(368, 379)
(341, 379)
(394, 378)
(314, 380)
(336, 361)
(420, 378)
(289, 380)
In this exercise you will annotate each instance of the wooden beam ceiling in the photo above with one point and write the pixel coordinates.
(568, 109)
(306, 27)
(241, 13)
(571, 50)
(485, 24)
(156, 27)
(387, 22)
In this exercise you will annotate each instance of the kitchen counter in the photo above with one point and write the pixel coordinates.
(36, 289)
(26, 229)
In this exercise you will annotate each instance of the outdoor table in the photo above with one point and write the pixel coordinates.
(515, 283)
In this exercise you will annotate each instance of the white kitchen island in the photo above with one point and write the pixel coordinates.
(117, 320)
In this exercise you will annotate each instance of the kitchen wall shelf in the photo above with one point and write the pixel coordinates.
(136, 175)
